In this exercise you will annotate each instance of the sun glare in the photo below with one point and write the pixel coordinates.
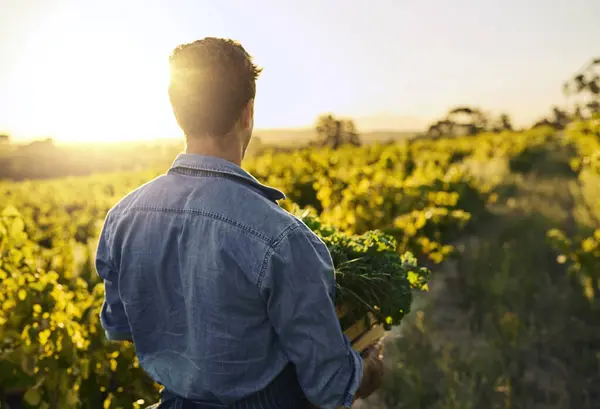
(90, 87)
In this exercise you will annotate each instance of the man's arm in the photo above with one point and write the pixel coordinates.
(297, 284)
(112, 316)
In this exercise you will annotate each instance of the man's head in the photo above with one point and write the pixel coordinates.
(212, 90)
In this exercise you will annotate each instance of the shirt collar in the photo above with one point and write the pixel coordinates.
(218, 165)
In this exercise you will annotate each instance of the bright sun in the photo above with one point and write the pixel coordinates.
(92, 86)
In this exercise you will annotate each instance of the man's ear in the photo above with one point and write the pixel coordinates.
(247, 117)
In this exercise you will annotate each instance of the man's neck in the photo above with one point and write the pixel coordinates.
(227, 148)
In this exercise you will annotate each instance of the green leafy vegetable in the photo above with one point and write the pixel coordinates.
(371, 277)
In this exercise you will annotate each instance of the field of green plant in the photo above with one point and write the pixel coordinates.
(508, 223)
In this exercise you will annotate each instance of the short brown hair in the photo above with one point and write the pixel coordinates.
(211, 81)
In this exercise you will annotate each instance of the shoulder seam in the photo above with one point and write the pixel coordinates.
(271, 249)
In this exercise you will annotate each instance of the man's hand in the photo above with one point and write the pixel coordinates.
(372, 371)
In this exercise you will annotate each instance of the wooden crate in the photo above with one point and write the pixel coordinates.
(364, 332)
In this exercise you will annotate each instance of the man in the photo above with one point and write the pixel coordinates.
(227, 298)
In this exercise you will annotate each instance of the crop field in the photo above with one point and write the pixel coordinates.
(507, 223)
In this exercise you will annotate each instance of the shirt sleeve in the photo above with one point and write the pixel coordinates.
(298, 286)
(112, 315)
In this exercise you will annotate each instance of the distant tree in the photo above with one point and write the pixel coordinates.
(585, 85)
(328, 130)
(502, 123)
(4, 138)
(333, 132)
(470, 121)
(349, 132)
(462, 120)
(441, 128)
(560, 118)
(542, 122)
(505, 123)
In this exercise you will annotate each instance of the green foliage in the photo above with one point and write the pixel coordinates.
(370, 275)
(583, 257)
(358, 189)
(585, 137)
(52, 348)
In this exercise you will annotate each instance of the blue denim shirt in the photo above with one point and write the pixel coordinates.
(221, 290)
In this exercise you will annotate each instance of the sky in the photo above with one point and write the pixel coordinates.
(97, 70)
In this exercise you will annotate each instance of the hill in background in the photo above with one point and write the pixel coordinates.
(298, 137)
